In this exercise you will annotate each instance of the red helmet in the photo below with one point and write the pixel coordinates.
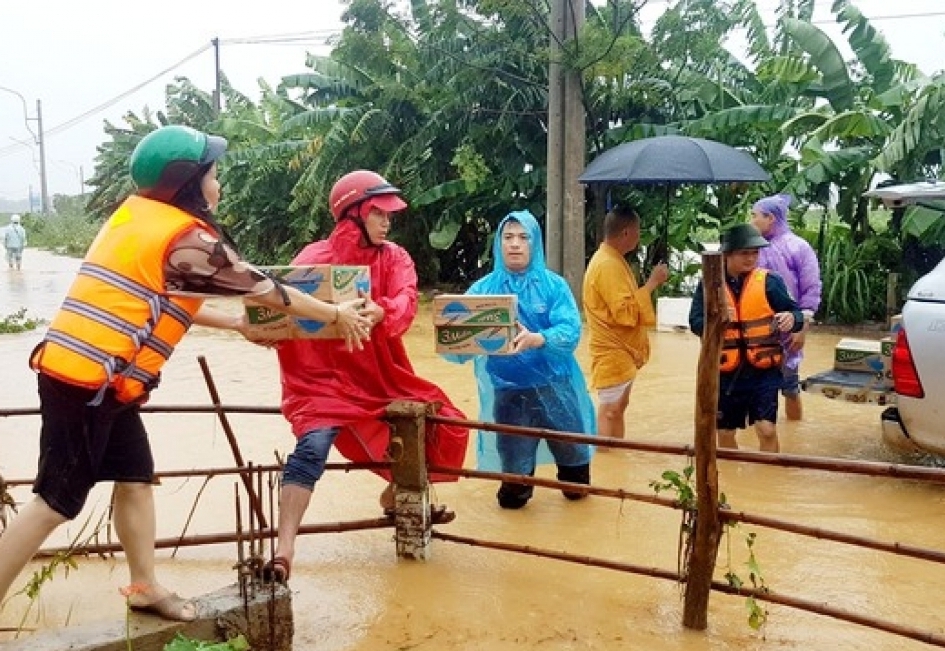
(362, 185)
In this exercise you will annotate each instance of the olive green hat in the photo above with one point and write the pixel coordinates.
(167, 158)
(742, 236)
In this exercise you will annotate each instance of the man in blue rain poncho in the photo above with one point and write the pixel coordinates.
(540, 384)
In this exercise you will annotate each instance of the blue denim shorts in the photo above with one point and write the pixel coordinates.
(306, 465)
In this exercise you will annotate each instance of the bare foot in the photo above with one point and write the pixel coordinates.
(166, 605)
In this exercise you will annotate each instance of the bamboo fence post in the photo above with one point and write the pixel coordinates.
(705, 543)
(254, 501)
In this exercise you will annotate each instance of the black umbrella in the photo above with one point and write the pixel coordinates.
(673, 160)
(670, 161)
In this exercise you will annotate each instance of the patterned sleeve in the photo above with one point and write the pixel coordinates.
(200, 264)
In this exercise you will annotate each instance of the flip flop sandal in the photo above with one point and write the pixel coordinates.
(275, 571)
(171, 608)
(439, 514)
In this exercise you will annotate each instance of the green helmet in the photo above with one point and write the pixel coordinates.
(742, 236)
(167, 158)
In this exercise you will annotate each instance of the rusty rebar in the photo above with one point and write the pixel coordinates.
(231, 439)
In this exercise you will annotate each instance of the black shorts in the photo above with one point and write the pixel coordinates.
(81, 445)
(752, 398)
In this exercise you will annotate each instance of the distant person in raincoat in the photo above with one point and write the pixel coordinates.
(14, 241)
(792, 258)
(539, 385)
(333, 396)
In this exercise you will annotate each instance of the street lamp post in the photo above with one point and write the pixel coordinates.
(38, 140)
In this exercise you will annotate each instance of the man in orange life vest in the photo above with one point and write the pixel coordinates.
(141, 286)
(750, 368)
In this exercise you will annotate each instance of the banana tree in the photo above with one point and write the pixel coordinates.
(840, 139)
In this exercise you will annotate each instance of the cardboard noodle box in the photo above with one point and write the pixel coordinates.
(331, 283)
(475, 339)
(858, 355)
(486, 309)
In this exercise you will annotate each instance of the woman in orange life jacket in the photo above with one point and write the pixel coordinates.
(750, 368)
(141, 286)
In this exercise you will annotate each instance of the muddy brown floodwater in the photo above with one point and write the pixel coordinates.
(352, 594)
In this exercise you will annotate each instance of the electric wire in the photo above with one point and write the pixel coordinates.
(318, 37)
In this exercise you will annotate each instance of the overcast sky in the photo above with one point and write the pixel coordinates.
(76, 56)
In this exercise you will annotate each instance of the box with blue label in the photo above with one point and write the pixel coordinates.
(475, 310)
(863, 355)
(465, 339)
(330, 283)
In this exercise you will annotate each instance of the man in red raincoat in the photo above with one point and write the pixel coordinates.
(331, 395)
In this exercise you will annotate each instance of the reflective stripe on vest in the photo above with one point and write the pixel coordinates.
(752, 330)
(117, 327)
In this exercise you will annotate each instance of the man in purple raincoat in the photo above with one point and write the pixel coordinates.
(791, 257)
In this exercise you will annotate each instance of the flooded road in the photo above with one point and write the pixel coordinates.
(352, 594)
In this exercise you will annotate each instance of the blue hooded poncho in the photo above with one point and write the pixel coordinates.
(547, 306)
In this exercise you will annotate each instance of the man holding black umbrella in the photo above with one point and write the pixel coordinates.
(618, 313)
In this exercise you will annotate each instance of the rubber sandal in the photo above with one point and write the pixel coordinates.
(275, 571)
(439, 514)
(170, 608)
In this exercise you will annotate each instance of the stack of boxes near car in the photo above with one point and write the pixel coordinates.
(332, 283)
(862, 369)
(475, 324)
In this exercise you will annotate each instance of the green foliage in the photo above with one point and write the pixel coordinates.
(67, 232)
(854, 276)
(19, 322)
(686, 499)
(679, 483)
(183, 643)
(685, 490)
(757, 614)
(450, 102)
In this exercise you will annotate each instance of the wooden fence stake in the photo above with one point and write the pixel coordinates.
(705, 541)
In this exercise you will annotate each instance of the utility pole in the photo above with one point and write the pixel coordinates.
(566, 156)
(217, 100)
(38, 140)
(42, 158)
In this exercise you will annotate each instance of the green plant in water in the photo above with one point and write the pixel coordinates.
(757, 614)
(682, 485)
(686, 498)
(183, 643)
(19, 322)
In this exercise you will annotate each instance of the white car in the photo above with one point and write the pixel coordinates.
(918, 356)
